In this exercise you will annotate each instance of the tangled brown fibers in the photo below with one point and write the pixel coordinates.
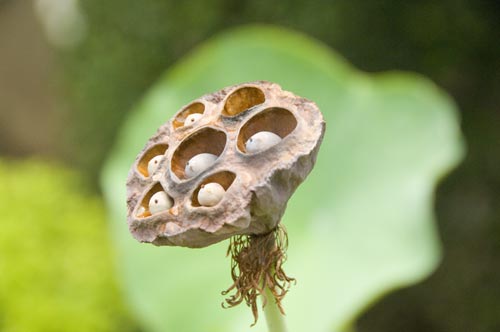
(257, 263)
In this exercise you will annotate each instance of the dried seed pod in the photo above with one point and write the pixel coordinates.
(257, 185)
(225, 166)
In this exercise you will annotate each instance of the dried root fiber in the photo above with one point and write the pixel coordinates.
(257, 264)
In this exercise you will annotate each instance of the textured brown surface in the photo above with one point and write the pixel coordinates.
(257, 185)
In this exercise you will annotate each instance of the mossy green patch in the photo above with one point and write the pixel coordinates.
(56, 268)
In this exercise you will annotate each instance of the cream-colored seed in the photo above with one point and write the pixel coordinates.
(192, 118)
(140, 211)
(159, 202)
(261, 141)
(199, 163)
(210, 194)
(153, 164)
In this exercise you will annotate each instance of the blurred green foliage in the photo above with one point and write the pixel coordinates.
(454, 42)
(56, 267)
(389, 138)
(130, 43)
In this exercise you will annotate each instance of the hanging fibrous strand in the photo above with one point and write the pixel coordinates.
(256, 264)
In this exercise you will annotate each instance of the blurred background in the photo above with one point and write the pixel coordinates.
(71, 70)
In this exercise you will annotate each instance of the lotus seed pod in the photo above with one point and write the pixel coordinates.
(159, 202)
(261, 141)
(199, 163)
(210, 194)
(153, 164)
(192, 118)
(257, 185)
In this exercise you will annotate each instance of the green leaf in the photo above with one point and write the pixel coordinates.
(360, 226)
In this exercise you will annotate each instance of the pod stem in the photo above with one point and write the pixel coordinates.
(274, 316)
(257, 270)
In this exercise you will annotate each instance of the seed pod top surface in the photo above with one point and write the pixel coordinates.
(257, 184)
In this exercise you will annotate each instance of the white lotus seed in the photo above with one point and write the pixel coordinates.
(210, 194)
(199, 163)
(192, 118)
(261, 141)
(153, 164)
(159, 202)
(140, 211)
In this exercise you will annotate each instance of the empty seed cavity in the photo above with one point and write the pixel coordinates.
(155, 201)
(265, 130)
(243, 99)
(198, 152)
(151, 159)
(212, 189)
(189, 115)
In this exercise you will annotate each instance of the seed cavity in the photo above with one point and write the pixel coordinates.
(243, 99)
(151, 159)
(206, 141)
(212, 189)
(194, 110)
(265, 129)
(155, 201)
